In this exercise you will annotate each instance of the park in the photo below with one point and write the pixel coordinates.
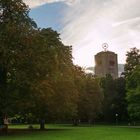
(69, 132)
(44, 95)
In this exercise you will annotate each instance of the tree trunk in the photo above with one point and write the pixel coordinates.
(6, 129)
(75, 122)
(42, 124)
(5, 122)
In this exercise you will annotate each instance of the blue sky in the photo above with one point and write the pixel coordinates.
(49, 15)
(87, 24)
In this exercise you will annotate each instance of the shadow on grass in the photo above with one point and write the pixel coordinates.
(13, 131)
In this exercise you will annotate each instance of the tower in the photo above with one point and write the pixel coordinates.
(106, 63)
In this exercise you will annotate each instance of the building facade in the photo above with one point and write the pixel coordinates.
(106, 63)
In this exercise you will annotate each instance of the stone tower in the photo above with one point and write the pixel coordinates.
(106, 63)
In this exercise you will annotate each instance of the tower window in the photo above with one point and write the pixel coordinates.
(99, 62)
(111, 63)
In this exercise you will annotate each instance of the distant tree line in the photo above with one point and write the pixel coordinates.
(39, 82)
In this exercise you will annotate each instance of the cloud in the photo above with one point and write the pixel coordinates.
(128, 21)
(88, 24)
(36, 3)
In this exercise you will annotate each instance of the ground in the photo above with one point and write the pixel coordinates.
(69, 132)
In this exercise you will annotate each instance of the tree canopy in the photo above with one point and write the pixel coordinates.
(38, 80)
(132, 74)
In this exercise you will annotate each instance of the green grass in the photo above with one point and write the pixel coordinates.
(67, 132)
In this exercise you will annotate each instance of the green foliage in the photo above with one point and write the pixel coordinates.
(55, 92)
(108, 86)
(132, 75)
(90, 95)
(36, 68)
(15, 29)
(120, 99)
(133, 94)
(114, 98)
(133, 59)
(15, 12)
(37, 76)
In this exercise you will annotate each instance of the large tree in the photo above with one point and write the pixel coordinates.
(90, 103)
(54, 91)
(133, 94)
(36, 67)
(89, 96)
(132, 75)
(108, 86)
(120, 101)
(16, 28)
(132, 60)
(114, 98)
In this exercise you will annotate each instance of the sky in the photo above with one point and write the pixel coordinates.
(87, 24)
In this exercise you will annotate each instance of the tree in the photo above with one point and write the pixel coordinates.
(133, 59)
(133, 94)
(79, 81)
(132, 75)
(114, 98)
(120, 101)
(54, 91)
(35, 66)
(108, 86)
(16, 29)
(90, 99)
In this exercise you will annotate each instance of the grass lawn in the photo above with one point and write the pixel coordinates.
(67, 132)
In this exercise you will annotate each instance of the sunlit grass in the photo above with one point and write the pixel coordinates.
(68, 132)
